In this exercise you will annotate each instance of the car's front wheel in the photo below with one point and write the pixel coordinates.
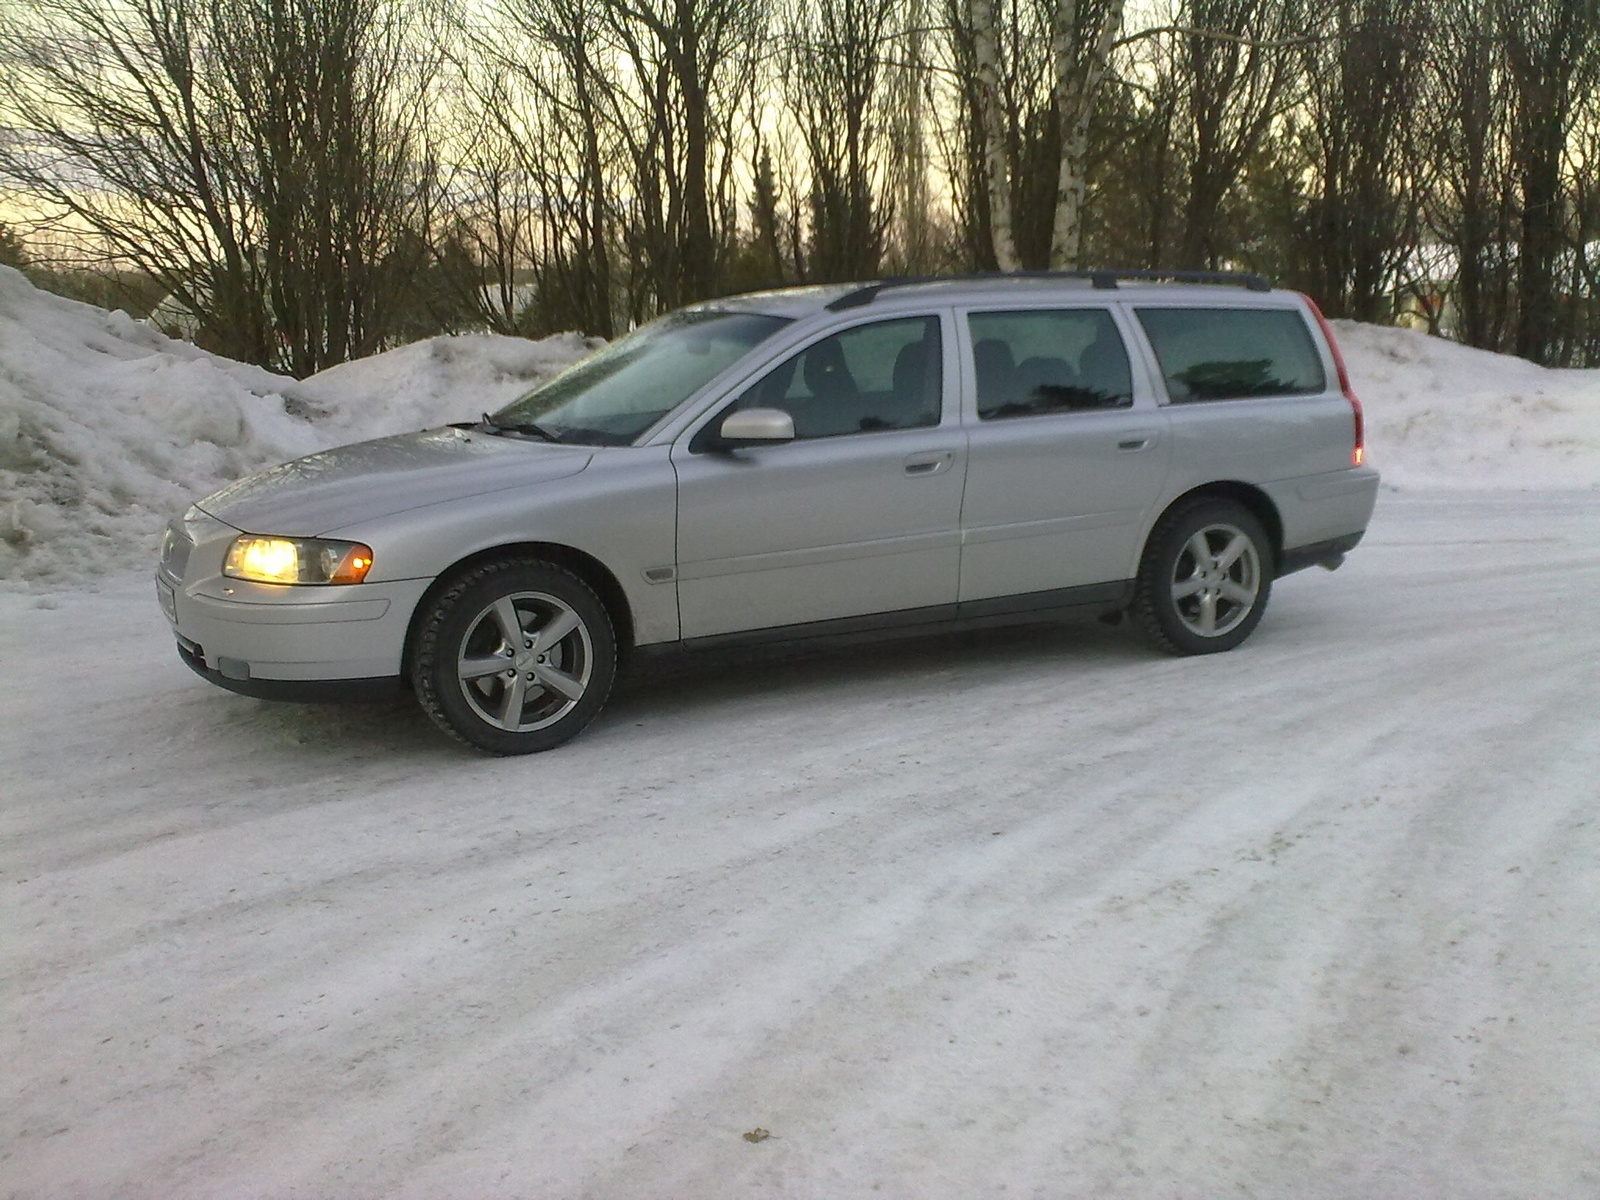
(514, 656)
(1205, 578)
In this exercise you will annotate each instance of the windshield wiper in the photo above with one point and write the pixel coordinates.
(525, 428)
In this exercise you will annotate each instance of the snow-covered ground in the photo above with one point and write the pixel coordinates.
(1021, 913)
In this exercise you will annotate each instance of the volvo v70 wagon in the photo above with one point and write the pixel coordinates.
(900, 455)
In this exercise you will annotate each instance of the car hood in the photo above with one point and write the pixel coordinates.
(349, 484)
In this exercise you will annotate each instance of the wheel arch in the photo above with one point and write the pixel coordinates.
(1257, 502)
(585, 566)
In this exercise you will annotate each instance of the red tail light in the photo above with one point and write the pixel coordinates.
(1358, 452)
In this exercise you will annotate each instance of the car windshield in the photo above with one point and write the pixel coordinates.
(613, 396)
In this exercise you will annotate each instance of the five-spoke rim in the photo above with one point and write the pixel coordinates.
(1216, 580)
(525, 661)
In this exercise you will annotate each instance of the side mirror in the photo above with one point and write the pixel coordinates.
(756, 427)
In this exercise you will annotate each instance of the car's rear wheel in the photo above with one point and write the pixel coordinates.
(1205, 578)
(514, 656)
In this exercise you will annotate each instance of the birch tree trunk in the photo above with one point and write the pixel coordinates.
(986, 54)
(1076, 87)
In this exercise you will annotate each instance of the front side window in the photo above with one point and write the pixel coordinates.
(1233, 353)
(873, 377)
(1042, 361)
(611, 397)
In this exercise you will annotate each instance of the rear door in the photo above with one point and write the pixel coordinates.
(1067, 450)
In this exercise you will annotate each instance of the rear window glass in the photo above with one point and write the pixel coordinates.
(1233, 353)
(1042, 361)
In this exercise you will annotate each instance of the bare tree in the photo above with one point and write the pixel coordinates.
(118, 108)
(691, 66)
(1143, 176)
(281, 168)
(485, 248)
(836, 95)
(1470, 206)
(333, 162)
(918, 236)
(1363, 214)
(995, 117)
(1235, 75)
(1030, 72)
(256, 157)
(546, 85)
(1082, 36)
(1582, 327)
(1551, 58)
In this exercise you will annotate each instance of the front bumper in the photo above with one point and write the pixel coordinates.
(252, 637)
(303, 691)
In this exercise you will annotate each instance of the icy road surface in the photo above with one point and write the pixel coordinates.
(1032, 913)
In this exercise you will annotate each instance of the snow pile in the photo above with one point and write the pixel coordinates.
(108, 428)
(430, 382)
(1442, 414)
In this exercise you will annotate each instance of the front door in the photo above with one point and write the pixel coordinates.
(859, 514)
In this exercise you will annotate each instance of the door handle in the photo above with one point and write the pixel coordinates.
(1137, 439)
(928, 464)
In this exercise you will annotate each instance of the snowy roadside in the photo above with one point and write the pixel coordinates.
(1029, 913)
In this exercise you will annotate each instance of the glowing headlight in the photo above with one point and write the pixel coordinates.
(296, 560)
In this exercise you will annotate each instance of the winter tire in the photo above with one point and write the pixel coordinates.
(1205, 578)
(514, 657)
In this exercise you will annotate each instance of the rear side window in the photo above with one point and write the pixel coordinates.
(1233, 353)
(1028, 364)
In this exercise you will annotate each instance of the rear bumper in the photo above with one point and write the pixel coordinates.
(1321, 511)
(1328, 553)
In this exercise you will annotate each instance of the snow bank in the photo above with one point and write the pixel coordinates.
(433, 381)
(1444, 415)
(108, 428)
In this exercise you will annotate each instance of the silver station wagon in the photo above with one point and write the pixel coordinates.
(895, 456)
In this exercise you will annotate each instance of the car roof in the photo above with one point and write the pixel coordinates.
(896, 294)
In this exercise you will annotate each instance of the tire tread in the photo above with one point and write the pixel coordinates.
(1153, 564)
(441, 606)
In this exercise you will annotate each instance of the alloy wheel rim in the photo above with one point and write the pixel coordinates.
(525, 661)
(1216, 580)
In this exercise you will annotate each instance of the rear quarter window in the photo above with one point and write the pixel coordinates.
(1233, 353)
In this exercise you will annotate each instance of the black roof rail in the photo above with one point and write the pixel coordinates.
(1104, 280)
(1245, 279)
